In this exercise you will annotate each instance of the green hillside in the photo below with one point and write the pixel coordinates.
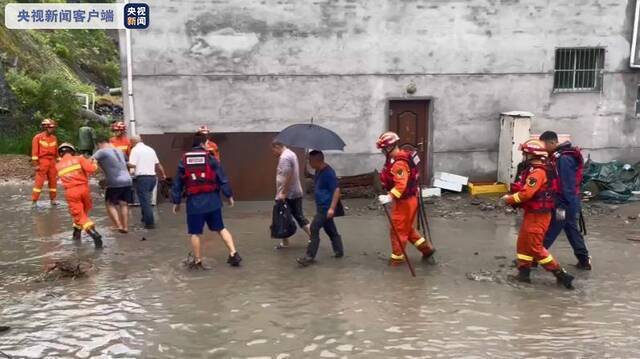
(40, 73)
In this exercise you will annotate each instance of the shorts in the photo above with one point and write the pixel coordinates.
(195, 222)
(115, 195)
(295, 204)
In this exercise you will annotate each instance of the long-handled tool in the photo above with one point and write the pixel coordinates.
(399, 241)
(424, 221)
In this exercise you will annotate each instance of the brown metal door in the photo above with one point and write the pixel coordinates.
(409, 120)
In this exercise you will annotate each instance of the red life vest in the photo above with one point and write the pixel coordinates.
(574, 152)
(386, 176)
(199, 177)
(544, 199)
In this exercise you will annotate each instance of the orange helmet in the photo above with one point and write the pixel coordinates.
(387, 139)
(534, 147)
(48, 123)
(203, 130)
(118, 126)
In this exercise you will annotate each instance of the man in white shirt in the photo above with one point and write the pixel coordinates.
(145, 164)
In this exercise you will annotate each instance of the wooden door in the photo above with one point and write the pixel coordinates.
(409, 119)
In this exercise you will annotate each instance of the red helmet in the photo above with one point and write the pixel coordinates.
(118, 126)
(48, 123)
(203, 130)
(387, 139)
(534, 147)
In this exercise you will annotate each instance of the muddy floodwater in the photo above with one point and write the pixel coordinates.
(139, 300)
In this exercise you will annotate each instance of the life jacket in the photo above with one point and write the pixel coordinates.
(544, 199)
(386, 176)
(574, 152)
(70, 172)
(199, 177)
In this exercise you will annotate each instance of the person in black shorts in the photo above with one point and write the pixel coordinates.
(119, 192)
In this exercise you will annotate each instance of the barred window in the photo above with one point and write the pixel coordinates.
(578, 69)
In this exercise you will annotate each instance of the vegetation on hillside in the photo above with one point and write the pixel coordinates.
(44, 70)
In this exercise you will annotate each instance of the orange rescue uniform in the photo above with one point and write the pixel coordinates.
(534, 225)
(212, 147)
(403, 215)
(74, 172)
(122, 143)
(44, 150)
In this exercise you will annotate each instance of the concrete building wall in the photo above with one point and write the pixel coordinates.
(245, 65)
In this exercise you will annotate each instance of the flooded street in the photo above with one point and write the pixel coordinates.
(139, 300)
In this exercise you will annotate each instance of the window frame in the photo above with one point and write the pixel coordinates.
(600, 59)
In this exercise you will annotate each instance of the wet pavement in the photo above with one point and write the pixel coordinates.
(139, 300)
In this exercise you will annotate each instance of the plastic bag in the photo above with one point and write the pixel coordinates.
(282, 223)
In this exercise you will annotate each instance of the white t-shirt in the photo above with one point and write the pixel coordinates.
(145, 160)
(288, 165)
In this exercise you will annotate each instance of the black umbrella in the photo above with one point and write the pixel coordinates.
(308, 135)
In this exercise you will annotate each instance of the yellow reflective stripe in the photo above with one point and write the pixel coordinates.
(516, 198)
(123, 148)
(71, 168)
(87, 225)
(547, 260)
(37, 190)
(53, 190)
(525, 257)
(34, 158)
(47, 144)
(395, 257)
(419, 242)
(396, 193)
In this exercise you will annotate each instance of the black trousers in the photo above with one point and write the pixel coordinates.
(321, 221)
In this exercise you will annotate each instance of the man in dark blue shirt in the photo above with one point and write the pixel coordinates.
(568, 166)
(204, 205)
(327, 194)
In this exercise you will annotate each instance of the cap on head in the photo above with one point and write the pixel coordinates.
(534, 147)
(66, 147)
(48, 123)
(118, 126)
(387, 139)
(204, 130)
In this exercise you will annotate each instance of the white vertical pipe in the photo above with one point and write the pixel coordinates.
(132, 112)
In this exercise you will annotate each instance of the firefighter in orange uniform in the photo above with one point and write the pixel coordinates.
(400, 177)
(534, 194)
(74, 171)
(43, 156)
(120, 139)
(211, 146)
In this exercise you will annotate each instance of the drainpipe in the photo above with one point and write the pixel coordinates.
(132, 112)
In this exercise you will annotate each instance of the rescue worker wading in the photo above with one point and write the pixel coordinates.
(44, 148)
(120, 139)
(400, 177)
(74, 171)
(211, 146)
(202, 178)
(535, 195)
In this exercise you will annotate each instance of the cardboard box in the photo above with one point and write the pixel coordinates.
(450, 177)
(431, 192)
(455, 187)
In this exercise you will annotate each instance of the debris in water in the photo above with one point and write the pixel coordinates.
(143, 238)
(481, 276)
(634, 238)
(499, 257)
(67, 268)
(487, 207)
(4, 328)
(476, 202)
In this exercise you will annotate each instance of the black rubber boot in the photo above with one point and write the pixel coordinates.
(305, 261)
(524, 275)
(97, 237)
(234, 260)
(584, 264)
(77, 234)
(564, 278)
